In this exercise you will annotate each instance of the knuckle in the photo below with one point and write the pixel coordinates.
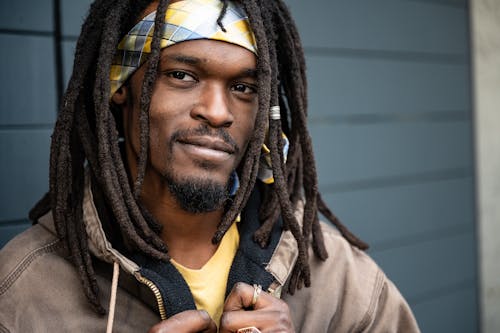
(283, 318)
(239, 287)
(203, 316)
(225, 319)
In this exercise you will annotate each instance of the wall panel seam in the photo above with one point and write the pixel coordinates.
(460, 172)
(395, 55)
(422, 237)
(467, 284)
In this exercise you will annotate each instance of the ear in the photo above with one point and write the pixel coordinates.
(120, 96)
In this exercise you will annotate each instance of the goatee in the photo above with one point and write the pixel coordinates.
(198, 195)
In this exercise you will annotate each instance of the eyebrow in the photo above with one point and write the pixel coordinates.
(184, 59)
(194, 61)
(249, 72)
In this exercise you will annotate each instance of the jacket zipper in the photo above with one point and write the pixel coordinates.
(156, 292)
(275, 289)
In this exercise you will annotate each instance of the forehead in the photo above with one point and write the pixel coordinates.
(207, 52)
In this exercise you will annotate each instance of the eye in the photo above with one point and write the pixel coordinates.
(244, 88)
(180, 75)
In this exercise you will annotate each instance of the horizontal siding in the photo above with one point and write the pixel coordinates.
(73, 14)
(453, 3)
(27, 79)
(355, 153)
(423, 268)
(25, 171)
(425, 272)
(28, 101)
(9, 230)
(391, 25)
(68, 54)
(454, 312)
(349, 86)
(28, 15)
(378, 213)
(390, 118)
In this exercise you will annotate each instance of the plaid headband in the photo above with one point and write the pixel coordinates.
(184, 20)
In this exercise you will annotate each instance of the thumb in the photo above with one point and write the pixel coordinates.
(191, 321)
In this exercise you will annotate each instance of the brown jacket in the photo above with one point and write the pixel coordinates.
(40, 290)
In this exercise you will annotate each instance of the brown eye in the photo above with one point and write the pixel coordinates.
(179, 75)
(243, 88)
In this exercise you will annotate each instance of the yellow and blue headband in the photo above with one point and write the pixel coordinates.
(184, 20)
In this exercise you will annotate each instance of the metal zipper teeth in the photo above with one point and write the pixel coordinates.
(156, 292)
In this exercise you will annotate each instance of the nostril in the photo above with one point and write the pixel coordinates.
(213, 116)
(200, 117)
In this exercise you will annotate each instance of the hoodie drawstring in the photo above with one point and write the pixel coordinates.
(112, 300)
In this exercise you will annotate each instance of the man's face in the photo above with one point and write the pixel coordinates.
(202, 114)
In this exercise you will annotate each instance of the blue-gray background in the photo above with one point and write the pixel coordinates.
(390, 116)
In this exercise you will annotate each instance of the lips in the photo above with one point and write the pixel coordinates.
(208, 143)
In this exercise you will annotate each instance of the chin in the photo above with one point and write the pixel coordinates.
(198, 194)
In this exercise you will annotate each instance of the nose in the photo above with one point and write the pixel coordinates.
(212, 107)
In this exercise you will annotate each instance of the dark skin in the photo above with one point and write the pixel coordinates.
(200, 83)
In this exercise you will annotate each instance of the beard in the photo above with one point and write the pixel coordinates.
(196, 195)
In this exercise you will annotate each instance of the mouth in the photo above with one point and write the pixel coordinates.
(207, 148)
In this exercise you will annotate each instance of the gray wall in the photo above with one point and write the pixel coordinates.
(27, 108)
(390, 116)
(485, 28)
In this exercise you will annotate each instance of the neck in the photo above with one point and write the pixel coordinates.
(187, 235)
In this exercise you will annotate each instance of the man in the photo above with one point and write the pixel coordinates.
(183, 191)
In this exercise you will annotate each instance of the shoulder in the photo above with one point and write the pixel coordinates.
(348, 264)
(352, 291)
(28, 257)
(39, 283)
(35, 276)
(23, 250)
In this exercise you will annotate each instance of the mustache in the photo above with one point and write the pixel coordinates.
(204, 130)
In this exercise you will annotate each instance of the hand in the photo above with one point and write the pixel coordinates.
(191, 321)
(269, 314)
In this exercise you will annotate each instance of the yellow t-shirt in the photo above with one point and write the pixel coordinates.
(208, 284)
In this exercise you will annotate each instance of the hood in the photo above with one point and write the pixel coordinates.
(98, 243)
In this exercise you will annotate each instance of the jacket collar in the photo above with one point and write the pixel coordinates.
(270, 267)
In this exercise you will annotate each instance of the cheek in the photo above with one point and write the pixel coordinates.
(244, 131)
(158, 138)
(163, 122)
(155, 141)
(249, 124)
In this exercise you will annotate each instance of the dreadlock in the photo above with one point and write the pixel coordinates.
(86, 133)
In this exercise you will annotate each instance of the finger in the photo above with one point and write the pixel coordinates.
(241, 297)
(275, 321)
(212, 326)
(191, 321)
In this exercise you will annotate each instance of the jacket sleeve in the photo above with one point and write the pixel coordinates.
(389, 313)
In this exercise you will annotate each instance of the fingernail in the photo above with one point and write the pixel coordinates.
(204, 314)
